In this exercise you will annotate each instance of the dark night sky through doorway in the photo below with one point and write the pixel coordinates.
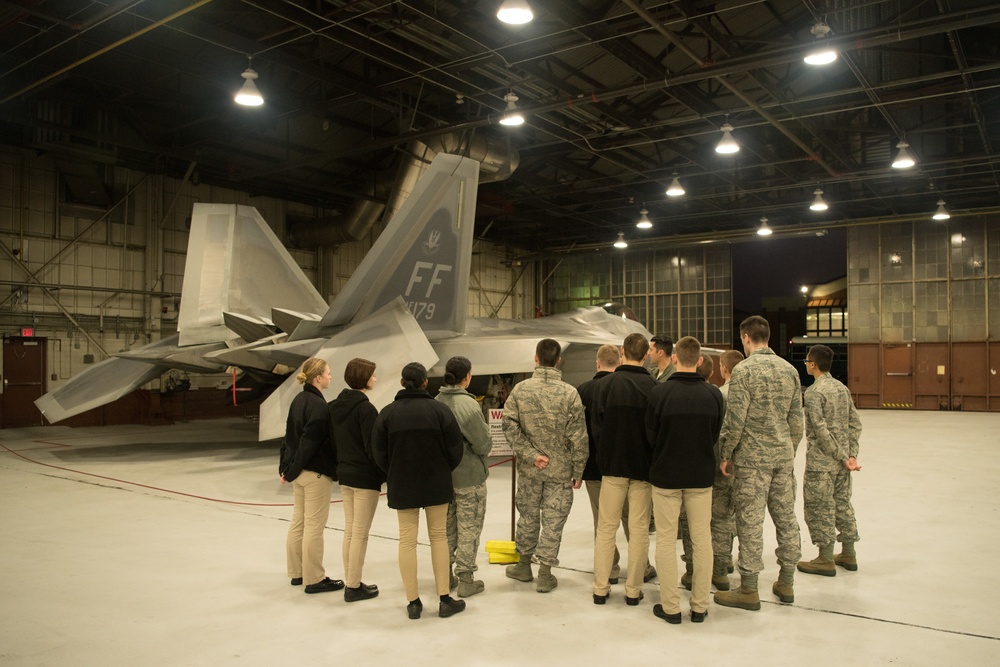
(779, 267)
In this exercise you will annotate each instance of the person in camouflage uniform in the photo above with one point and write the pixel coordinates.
(760, 434)
(832, 431)
(467, 511)
(544, 423)
(723, 514)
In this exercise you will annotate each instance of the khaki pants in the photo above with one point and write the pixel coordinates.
(304, 546)
(614, 492)
(359, 510)
(594, 493)
(437, 532)
(666, 508)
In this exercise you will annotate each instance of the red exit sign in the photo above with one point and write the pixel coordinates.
(27, 332)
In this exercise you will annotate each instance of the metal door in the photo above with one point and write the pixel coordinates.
(897, 381)
(24, 380)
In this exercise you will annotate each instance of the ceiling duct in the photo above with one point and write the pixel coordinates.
(497, 161)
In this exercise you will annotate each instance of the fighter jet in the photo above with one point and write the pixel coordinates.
(245, 303)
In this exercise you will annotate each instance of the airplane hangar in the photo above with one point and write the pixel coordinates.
(150, 529)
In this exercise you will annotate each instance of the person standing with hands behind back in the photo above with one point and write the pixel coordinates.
(309, 463)
(418, 442)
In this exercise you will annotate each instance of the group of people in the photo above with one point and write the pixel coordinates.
(430, 454)
(661, 447)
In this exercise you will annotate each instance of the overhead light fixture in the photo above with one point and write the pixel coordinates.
(822, 53)
(248, 95)
(620, 243)
(515, 12)
(941, 213)
(895, 260)
(644, 221)
(903, 158)
(727, 144)
(804, 289)
(818, 203)
(675, 189)
(764, 230)
(511, 116)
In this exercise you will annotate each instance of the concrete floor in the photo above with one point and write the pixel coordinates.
(165, 546)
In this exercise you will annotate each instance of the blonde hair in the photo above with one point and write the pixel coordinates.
(312, 368)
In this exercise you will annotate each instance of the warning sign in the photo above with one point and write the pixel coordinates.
(500, 445)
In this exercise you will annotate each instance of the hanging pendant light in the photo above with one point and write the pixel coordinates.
(818, 203)
(903, 158)
(727, 145)
(764, 230)
(515, 12)
(822, 53)
(511, 116)
(644, 221)
(248, 95)
(620, 242)
(675, 189)
(941, 213)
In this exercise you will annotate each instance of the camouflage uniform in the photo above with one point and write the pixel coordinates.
(544, 415)
(466, 514)
(760, 434)
(723, 512)
(832, 431)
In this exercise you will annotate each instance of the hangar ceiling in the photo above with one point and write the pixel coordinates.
(619, 98)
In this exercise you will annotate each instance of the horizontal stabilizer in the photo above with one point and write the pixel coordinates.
(244, 357)
(290, 354)
(167, 353)
(391, 336)
(248, 328)
(288, 320)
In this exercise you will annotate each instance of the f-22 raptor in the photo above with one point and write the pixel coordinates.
(246, 303)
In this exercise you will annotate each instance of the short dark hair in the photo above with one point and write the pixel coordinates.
(414, 375)
(730, 358)
(757, 328)
(548, 351)
(687, 350)
(822, 356)
(663, 342)
(707, 366)
(456, 369)
(635, 346)
(358, 372)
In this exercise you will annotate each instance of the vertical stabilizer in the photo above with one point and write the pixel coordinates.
(424, 255)
(236, 264)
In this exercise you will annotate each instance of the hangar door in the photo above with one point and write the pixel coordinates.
(23, 380)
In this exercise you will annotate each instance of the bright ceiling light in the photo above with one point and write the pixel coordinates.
(248, 94)
(675, 189)
(764, 230)
(804, 289)
(903, 158)
(620, 243)
(644, 221)
(511, 116)
(727, 145)
(941, 213)
(515, 12)
(822, 53)
(818, 203)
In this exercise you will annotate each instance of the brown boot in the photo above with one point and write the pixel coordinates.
(741, 598)
(848, 562)
(720, 578)
(818, 565)
(468, 587)
(520, 571)
(784, 592)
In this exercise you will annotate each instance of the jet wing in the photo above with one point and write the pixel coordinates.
(391, 337)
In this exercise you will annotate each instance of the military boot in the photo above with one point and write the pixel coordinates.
(452, 580)
(846, 561)
(546, 580)
(784, 592)
(687, 576)
(468, 587)
(822, 564)
(741, 598)
(720, 577)
(520, 571)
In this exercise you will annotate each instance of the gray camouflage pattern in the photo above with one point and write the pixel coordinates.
(833, 427)
(466, 514)
(723, 516)
(763, 423)
(754, 490)
(828, 509)
(542, 507)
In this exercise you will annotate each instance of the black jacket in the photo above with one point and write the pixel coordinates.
(417, 441)
(586, 391)
(352, 417)
(617, 420)
(683, 422)
(307, 437)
